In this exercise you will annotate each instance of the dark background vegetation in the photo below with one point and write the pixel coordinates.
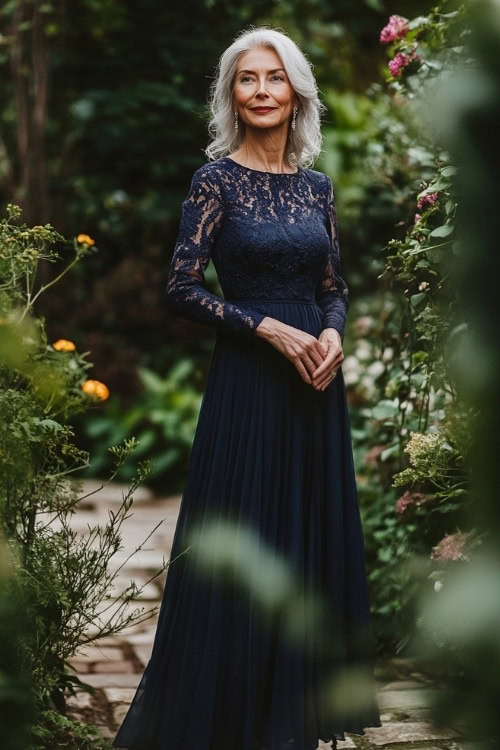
(103, 122)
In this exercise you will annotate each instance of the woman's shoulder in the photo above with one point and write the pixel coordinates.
(319, 179)
(211, 170)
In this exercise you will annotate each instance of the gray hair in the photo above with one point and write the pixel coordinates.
(304, 143)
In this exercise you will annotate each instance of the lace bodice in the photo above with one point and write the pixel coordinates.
(270, 235)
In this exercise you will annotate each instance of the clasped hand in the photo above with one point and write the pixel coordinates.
(317, 360)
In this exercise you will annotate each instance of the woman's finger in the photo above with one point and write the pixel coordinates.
(299, 365)
(309, 364)
(332, 361)
(320, 386)
(327, 364)
(326, 380)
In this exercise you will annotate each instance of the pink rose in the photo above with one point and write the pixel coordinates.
(397, 28)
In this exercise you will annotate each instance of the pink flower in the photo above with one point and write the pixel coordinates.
(452, 547)
(397, 28)
(426, 201)
(372, 455)
(362, 324)
(401, 61)
(410, 498)
(402, 504)
(417, 218)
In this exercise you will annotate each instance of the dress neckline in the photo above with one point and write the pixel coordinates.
(261, 171)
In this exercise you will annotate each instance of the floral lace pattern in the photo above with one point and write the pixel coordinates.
(270, 236)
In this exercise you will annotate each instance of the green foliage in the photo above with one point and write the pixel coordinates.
(411, 428)
(16, 701)
(163, 417)
(54, 730)
(458, 629)
(62, 578)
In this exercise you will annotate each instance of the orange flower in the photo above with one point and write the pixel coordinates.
(96, 388)
(85, 239)
(63, 345)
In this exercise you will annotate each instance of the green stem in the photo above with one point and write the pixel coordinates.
(46, 286)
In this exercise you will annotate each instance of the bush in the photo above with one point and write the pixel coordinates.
(62, 578)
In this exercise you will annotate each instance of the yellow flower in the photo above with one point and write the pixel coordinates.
(85, 239)
(96, 388)
(63, 345)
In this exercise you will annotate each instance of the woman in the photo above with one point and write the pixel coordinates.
(272, 449)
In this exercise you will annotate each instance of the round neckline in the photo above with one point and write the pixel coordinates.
(261, 171)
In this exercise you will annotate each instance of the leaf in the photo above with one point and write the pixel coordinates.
(388, 452)
(50, 424)
(415, 299)
(443, 231)
(434, 187)
(151, 380)
(385, 409)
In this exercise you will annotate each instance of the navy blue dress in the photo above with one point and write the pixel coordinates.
(234, 667)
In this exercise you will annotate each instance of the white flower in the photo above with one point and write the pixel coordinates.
(375, 369)
(363, 351)
(438, 585)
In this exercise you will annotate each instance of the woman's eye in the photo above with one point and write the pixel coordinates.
(248, 78)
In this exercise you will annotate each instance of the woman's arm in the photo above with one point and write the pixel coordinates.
(332, 294)
(187, 296)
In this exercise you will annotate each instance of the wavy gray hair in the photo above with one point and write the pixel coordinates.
(304, 143)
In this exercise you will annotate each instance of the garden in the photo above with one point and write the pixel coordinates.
(102, 124)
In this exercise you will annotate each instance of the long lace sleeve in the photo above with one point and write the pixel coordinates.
(332, 294)
(187, 296)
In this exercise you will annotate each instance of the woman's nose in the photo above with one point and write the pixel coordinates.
(262, 87)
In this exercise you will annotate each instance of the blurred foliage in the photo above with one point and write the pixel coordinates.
(458, 630)
(16, 705)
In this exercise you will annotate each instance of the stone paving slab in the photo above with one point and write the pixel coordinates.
(113, 680)
(406, 731)
(119, 695)
(402, 685)
(405, 698)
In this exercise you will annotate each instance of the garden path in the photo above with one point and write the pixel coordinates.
(114, 667)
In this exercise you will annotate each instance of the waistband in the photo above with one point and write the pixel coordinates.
(302, 301)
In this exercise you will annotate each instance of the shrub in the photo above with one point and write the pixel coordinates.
(62, 577)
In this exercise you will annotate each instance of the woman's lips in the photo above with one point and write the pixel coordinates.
(262, 110)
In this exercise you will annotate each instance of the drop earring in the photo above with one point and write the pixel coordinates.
(294, 118)
(236, 119)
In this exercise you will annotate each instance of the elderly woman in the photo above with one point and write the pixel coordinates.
(253, 665)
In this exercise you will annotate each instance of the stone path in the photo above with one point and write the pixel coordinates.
(114, 667)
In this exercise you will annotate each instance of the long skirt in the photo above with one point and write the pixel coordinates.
(264, 638)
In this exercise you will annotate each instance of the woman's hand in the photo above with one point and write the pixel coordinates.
(324, 374)
(305, 351)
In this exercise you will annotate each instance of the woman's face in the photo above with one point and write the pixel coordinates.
(261, 81)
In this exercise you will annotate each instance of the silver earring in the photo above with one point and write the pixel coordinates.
(294, 118)
(236, 119)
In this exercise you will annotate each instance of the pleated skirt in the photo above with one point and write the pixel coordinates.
(264, 637)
